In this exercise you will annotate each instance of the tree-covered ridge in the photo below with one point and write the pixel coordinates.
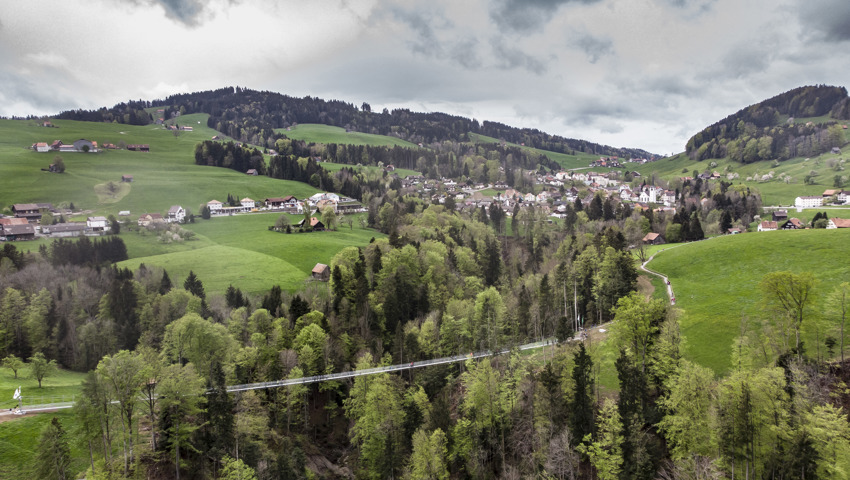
(758, 133)
(252, 116)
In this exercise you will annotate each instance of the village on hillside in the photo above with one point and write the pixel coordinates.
(556, 191)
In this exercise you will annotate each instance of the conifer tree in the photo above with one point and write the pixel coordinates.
(54, 453)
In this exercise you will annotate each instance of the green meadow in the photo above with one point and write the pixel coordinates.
(369, 170)
(62, 386)
(242, 251)
(165, 176)
(775, 191)
(317, 133)
(716, 283)
(236, 250)
(19, 440)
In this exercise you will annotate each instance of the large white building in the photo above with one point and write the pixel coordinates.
(808, 202)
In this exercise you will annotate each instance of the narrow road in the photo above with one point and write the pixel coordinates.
(663, 277)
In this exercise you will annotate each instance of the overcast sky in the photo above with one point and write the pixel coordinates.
(627, 73)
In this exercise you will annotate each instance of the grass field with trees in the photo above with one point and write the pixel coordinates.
(318, 133)
(163, 177)
(242, 251)
(716, 283)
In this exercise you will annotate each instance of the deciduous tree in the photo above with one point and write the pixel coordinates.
(789, 295)
(40, 367)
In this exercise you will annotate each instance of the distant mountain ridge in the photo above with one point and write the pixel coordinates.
(766, 130)
(252, 116)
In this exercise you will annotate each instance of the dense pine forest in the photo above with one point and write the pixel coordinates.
(251, 116)
(767, 131)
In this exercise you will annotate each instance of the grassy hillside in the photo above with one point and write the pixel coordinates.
(775, 191)
(580, 160)
(714, 300)
(19, 440)
(163, 177)
(60, 387)
(317, 133)
(240, 250)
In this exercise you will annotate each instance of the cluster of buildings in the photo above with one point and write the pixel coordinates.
(288, 204)
(554, 196)
(81, 146)
(816, 201)
(780, 221)
(26, 224)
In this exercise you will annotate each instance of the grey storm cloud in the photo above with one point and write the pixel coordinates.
(594, 47)
(510, 58)
(426, 30)
(825, 19)
(526, 15)
(426, 41)
(188, 12)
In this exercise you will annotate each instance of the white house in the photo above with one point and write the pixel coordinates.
(176, 214)
(767, 226)
(808, 202)
(42, 147)
(838, 223)
(97, 224)
(248, 203)
(214, 206)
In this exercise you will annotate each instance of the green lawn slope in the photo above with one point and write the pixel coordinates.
(716, 282)
(165, 176)
(775, 191)
(317, 133)
(240, 250)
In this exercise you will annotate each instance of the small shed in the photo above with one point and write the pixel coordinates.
(653, 238)
(253, 172)
(127, 178)
(321, 272)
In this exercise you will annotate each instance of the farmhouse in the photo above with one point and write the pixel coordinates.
(838, 223)
(315, 224)
(780, 215)
(29, 211)
(41, 147)
(176, 214)
(14, 229)
(64, 230)
(147, 219)
(321, 272)
(83, 145)
(97, 224)
(792, 224)
(652, 238)
(214, 206)
(767, 226)
(248, 203)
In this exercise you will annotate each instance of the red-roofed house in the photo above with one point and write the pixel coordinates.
(838, 223)
(767, 226)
